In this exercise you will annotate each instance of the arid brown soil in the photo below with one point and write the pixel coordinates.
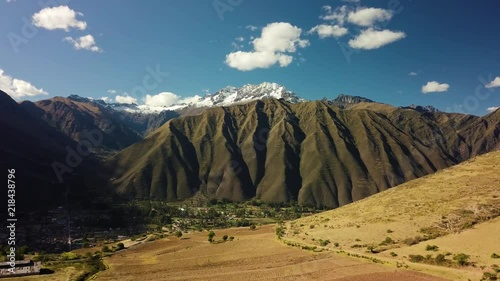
(253, 255)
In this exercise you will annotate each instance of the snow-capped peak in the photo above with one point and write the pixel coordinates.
(224, 97)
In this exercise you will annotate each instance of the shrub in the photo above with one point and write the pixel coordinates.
(431, 248)
(105, 249)
(495, 256)
(387, 241)
(120, 246)
(462, 259)
(225, 237)
(389, 231)
(440, 259)
(211, 236)
(231, 238)
(394, 254)
(416, 258)
(178, 234)
(253, 227)
(336, 244)
(324, 242)
(413, 241)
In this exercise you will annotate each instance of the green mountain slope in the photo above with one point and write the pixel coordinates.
(311, 152)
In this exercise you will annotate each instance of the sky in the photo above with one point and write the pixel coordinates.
(442, 53)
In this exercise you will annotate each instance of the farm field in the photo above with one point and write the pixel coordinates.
(253, 255)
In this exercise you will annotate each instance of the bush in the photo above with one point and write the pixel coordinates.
(324, 242)
(120, 246)
(253, 227)
(416, 258)
(413, 241)
(105, 249)
(440, 259)
(495, 256)
(211, 236)
(431, 248)
(336, 244)
(389, 231)
(394, 254)
(225, 237)
(231, 238)
(462, 259)
(178, 234)
(387, 241)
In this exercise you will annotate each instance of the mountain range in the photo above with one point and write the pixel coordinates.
(259, 141)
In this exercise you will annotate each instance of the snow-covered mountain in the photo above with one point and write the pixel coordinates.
(227, 96)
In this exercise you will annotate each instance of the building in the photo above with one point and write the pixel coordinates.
(22, 268)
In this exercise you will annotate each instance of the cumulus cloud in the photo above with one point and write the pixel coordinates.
(162, 99)
(252, 27)
(494, 84)
(494, 108)
(61, 17)
(434, 87)
(17, 88)
(373, 39)
(168, 99)
(368, 16)
(125, 99)
(270, 48)
(325, 30)
(86, 42)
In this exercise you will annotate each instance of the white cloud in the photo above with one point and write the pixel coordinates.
(434, 87)
(252, 27)
(86, 42)
(339, 15)
(369, 16)
(246, 61)
(240, 39)
(373, 39)
(162, 99)
(10, 1)
(112, 91)
(125, 99)
(491, 109)
(325, 30)
(412, 73)
(105, 99)
(168, 99)
(61, 17)
(270, 48)
(17, 88)
(494, 84)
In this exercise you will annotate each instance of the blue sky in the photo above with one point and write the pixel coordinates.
(454, 43)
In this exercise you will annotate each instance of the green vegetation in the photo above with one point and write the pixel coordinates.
(432, 248)
(324, 242)
(178, 234)
(462, 259)
(387, 241)
(211, 236)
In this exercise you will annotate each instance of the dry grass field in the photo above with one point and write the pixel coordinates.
(455, 209)
(253, 255)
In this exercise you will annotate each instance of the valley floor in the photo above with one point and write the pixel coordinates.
(253, 255)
